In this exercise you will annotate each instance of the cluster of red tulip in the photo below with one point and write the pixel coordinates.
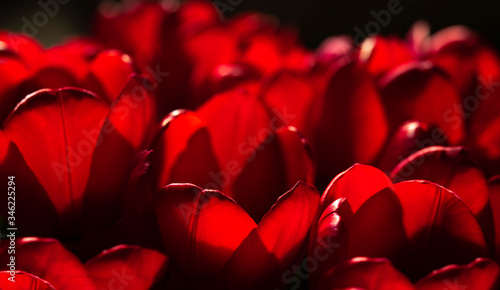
(173, 150)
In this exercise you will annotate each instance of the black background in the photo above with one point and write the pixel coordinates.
(315, 20)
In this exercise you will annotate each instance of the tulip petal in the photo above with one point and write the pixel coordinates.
(293, 94)
(109, 72)
(328, 243)
(450, 167)
(357, 184)
(59, 123)
(480, 274)
(420, 91)
(49, 260)
(279, 162)
(381, 54)
(23, 281)
(420, 226)
(139, 268)
(200, 228)
(410, 137)
(272, 246)
(183, 153)
(365, 273)
(235, 120)
(351, 98)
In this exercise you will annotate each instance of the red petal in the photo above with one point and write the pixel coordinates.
(133, 112)
(357, 184)
(480, 274)
(27, 49)
(453, 168)
(14, 73)
(35, 204)
(352, 99)
(183, 153)
(279, 238)
(410, 137)
(238, 124)
(450, 167)
(420, 91)
(494, 191)
(381, 54)
(278, 163)
(59, 122)
(420, 227)
(138, 268)
(200, 228)
(110, 71)
(49, 260)
(293, 95)
(23, 281)
(328, 243)
(365, 273)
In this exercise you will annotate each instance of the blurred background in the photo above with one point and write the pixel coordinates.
(315, 19)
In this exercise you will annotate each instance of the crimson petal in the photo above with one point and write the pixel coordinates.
(58, 122)
(480, 274)
(138, 268)
(200, 228)
(271, 248)
(23, 281)
(365, 273)
(49, 260)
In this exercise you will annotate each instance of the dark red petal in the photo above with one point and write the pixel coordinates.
(49, 260)
(183, 153)
(357, 184)
(291, 94)
(22, 281)
(381, 54)
(238, 123)
(450, 167)
(59, 124)
(494, 191)
(279, 238)
(328, 242)
(420, 91)
(419, 227)
(365, 273)
(484, 144)
(460, 53)
(127, 130)
(418, 37)
(277, 164)
(353, 126)
(27, 49)
(200, 228)
(453, 168)
(32, 200)
(139, 268)
(480, 274)
(409, 138)
(109, 71)
(13, 73)
(133, 112)
(67, 61)
(333, 48)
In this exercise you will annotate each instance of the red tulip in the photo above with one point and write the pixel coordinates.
(378, 273)
(26, 67)
(71, 154)
(211, 237)
(241, 50)
(129, 267)
(232, 144)
(419, 226)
